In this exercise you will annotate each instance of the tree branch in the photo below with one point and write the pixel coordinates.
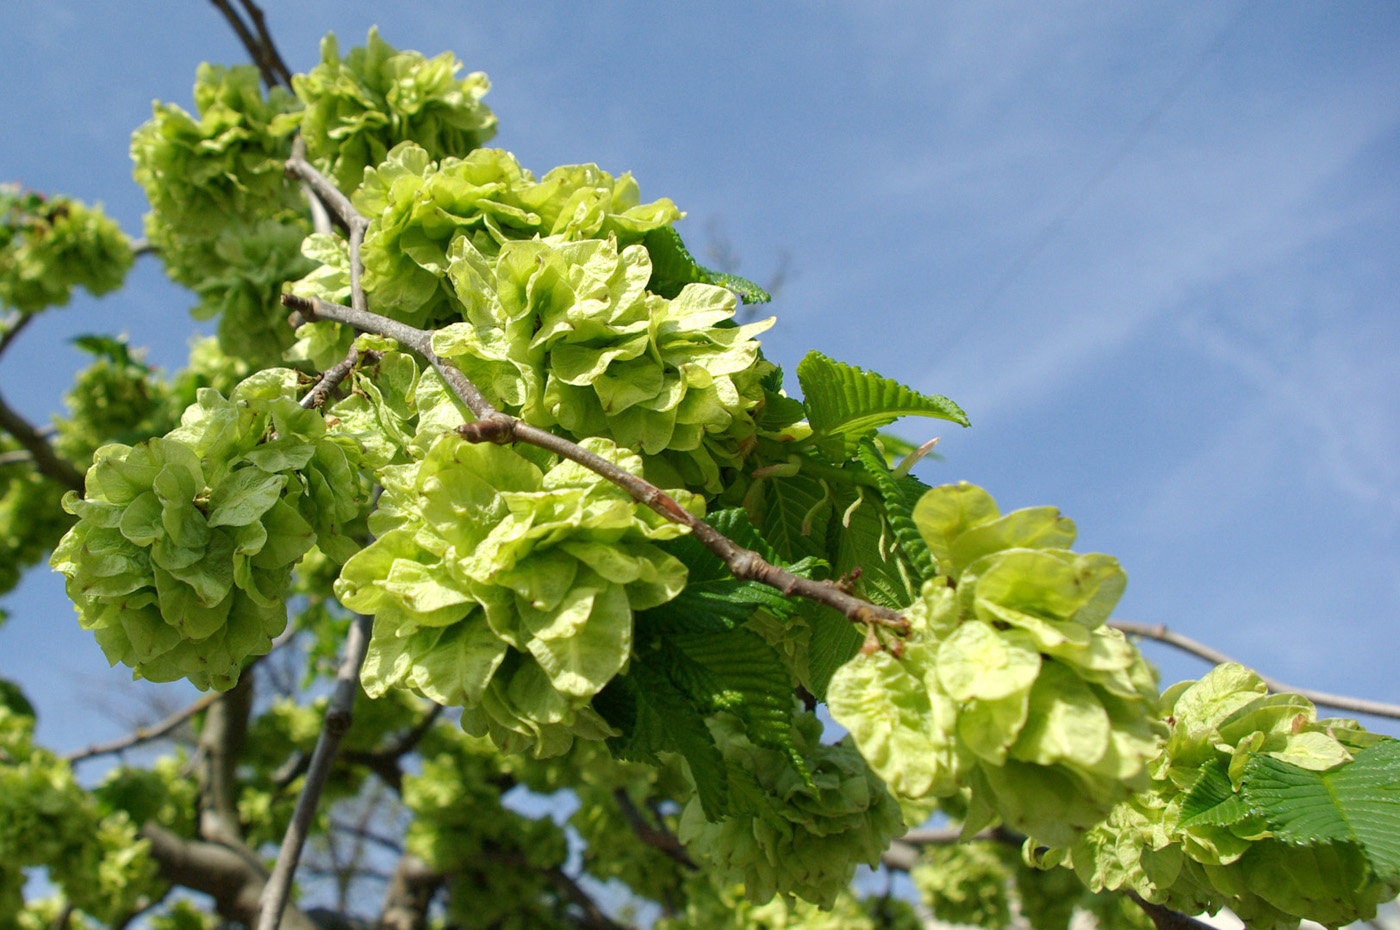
(497, 427)
(339, 715)
(13, 326)
(45, 459)
(221, 742)
(655, 837)
(411, 890)
(260, 47)
(235, 881)
(1161, 634)
(145, 734)
(1165, 918)
(330, 380)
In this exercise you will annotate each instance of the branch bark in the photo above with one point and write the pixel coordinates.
(48, 462)
(145, 734)
(339, 715)
(497, 427)
(411, 890)
(235, 881)
(260, 46)
(220, 743)
(1160, 633)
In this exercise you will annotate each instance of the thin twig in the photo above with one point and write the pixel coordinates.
(1160, 633)
(316, 397)
(339, 715)
(655, 837)
(45, 459)
(1165, 918)
(145, 734)
(270, 53)
(13, 326)
(259, 49)
(497, 427)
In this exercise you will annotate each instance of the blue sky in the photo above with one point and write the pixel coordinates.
(1152, 249)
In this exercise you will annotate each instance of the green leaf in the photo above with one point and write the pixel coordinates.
(673, 267)
(1212, 799)
(745, 676)
(851, 403)
(900, 496)
(1358, 802)
(656, 716)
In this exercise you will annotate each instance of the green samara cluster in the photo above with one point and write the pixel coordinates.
(1214, 831)
(1009, 684)
(50, 245)
(182, 554)
(225, 219)
(359, 108)
(507, 587)
(792, 832)
(543, 292)
(47, 819)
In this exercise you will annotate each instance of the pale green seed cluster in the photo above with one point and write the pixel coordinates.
(1194, 843)
(182, 554)
(792, 836)
(508, 588)
(48, 246)
(1009, 683)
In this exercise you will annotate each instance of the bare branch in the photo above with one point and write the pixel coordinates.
(497, 427)
(259, 47)
(1161, 634)
(145, 734)
(331, 379)
(270, 53)
(339, 715)
(221, 742)
(656, 837)
(48, 462)
(234, 880)
(411, 890)
(13, 326)
(1166, 919)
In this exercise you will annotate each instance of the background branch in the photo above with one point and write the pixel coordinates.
(48, 462)
(145, 734)
(1159, 633)
(339, 715)
(233, 880)
(260, 47)
(220, 743)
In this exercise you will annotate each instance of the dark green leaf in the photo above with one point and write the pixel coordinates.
(846, 404)
(1357, 802)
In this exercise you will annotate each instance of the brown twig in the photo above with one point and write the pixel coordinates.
(339, 715)
(13, 326)
(655, 837)
(274, 58)
(1165, 918)
(144, 734)
(48, 462)
(259, 47)
(330, 380)
(1160, 633)
(493, 426)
